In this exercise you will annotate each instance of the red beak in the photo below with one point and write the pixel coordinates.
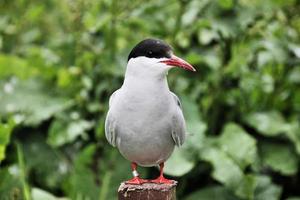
(178, 62)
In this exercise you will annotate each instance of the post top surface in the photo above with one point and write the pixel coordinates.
(147, 186)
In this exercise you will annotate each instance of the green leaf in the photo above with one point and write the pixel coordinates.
(10, 184)
(192, 10)
(23, 172)
(240, 146)
(31, 100)
(36, 151)
(61, 133)
(206, 36)
(212, 193)
(38, 194)
(196, 127)
(182, 40)
(293, 133)
(227, 4)
(178, 164)
(266, 189)
(280, 158)
(229, 173)
(225, 170)
(267, 123)
(5, 132)
(13, 65)
(296, 50)
(82, 181)
(246, 187)
(294, 75)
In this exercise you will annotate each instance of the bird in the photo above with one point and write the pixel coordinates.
(145, 120)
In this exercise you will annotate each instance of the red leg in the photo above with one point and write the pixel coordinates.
(161, 179)
(136, 178)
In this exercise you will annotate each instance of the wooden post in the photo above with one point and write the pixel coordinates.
(147, 191)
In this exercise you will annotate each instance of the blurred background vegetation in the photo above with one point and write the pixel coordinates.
(61, 59)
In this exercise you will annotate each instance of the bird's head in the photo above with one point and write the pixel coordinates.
(153, 56)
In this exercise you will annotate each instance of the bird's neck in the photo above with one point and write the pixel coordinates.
(146, 83)
(140, 77)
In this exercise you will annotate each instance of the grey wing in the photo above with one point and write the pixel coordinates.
(110, 123)
(178, 124)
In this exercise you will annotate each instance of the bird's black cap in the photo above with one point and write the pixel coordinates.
(151, 48)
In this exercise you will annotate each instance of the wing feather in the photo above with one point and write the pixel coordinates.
(110, 123)
(178, 123)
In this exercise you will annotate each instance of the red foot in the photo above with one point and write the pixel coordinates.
(136, 181)
(162, 180)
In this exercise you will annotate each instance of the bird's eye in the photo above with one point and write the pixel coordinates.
(150, 52)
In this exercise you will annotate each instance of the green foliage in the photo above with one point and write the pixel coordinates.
(266, 189)
(238, 145)
(32, 101)
(10, 186)
(273, 123)
(5, 132)
(274, 156)
(60, 60)
(229, 173)
(38, 194)
(215, 192)
(81, 184)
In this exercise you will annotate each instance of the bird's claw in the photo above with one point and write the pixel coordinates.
(136, 181)
(162, 180)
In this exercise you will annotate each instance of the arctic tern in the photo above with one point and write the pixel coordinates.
(145, 119)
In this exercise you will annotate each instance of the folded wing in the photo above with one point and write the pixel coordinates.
(178, 123)
(110, 123)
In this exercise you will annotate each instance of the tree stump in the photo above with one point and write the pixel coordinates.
(147, 191)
